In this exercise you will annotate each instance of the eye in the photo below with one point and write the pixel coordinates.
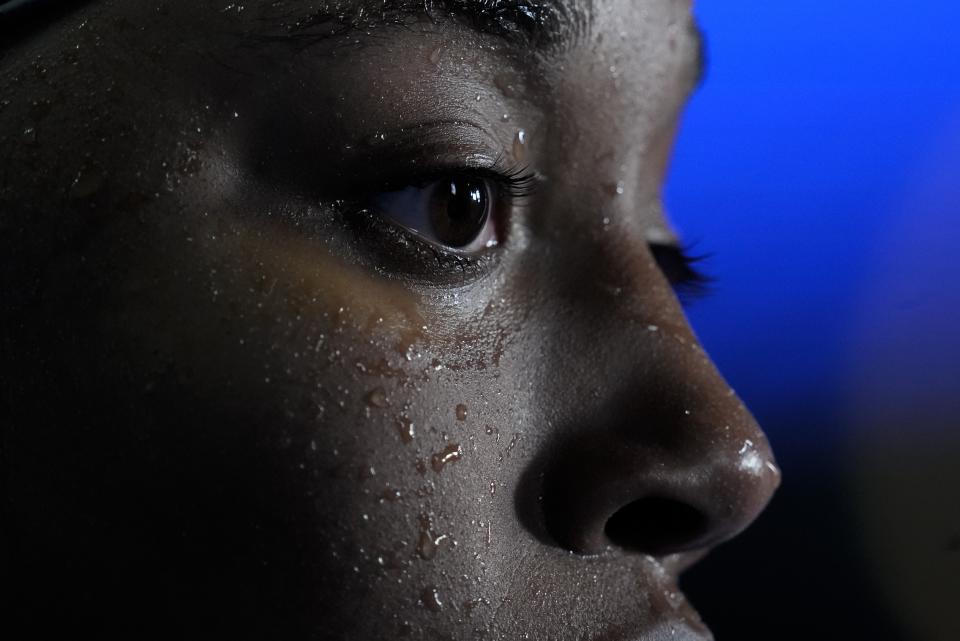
(456, 212)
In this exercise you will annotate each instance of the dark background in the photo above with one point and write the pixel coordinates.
(819, 166)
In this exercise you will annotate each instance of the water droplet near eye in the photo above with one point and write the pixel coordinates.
(430, 598)
(505, 117)
(461, 411)
(450, 454)
(377, 397)
(520, 146)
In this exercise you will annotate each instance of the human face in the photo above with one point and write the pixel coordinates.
(270, 377)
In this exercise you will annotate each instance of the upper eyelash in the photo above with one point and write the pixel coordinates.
(516, 181)
(681, 267)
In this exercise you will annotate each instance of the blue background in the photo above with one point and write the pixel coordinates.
(819, 167)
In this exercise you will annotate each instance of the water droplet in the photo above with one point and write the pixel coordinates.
(520, 146)
(461, 412)
(377, 397)
(505, 117)
(434, 56)
(405, 428)
(390, 494)
(431, 599)
(429, 542)
(450, 454)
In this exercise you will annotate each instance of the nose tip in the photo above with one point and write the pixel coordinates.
(655, 495)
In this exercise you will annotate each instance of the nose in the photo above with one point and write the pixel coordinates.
(659, 468)
(662, 457)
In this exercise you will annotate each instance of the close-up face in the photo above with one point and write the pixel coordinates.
(357, 320)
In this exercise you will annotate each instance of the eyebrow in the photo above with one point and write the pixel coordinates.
(540, 24)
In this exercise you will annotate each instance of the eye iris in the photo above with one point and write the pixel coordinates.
(460, 211)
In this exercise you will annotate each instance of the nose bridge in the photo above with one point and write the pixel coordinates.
(666, 460)
(662, 456)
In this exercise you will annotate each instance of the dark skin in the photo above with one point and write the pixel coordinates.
(253, 393)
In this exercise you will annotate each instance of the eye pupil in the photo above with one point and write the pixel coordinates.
(460, 211)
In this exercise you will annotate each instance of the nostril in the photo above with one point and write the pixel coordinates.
(656, 525)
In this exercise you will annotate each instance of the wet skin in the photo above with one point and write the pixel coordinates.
(243, 401)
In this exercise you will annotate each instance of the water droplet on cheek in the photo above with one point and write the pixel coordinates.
(377, 397)
(406, 429)
(430, 598)
(450, 454)
(428, 543)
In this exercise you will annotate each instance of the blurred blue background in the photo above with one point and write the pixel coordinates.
(819, 167)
